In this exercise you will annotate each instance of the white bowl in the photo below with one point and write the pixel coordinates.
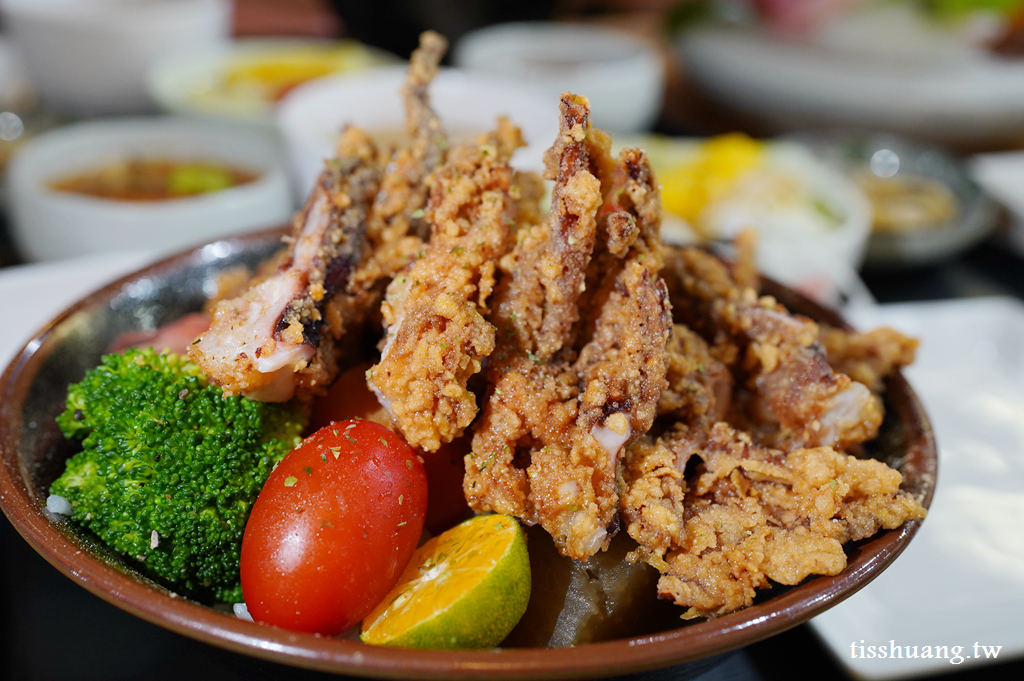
(49, 224)
(622, 75)
(91, 56)
(312, 115)
(192, 81)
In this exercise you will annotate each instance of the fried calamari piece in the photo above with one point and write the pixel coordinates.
(790, 381)
(556, 274)
(269, 342)
(278, 339)
(532, 398)
(569, 441)
(548, 444)
(621, 370)
(755, 514)
(628, 224)
(624, 364)
(436, 334)
(867, 357)
(396, 221)
(744, 269)
(652, 500)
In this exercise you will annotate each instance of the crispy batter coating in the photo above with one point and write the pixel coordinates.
(396, 221)
(622, 372)
(752, 514)
(548, 444)
(559, 271)
(791, 385)
(436, 334)
(269, 342)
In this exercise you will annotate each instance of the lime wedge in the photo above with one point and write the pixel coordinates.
(463, 590)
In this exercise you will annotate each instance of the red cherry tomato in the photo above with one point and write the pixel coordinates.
(349, 397)
(333, 528)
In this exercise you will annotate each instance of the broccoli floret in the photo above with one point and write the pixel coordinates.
(169, 467)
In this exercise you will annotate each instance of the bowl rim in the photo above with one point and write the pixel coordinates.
(48, 535)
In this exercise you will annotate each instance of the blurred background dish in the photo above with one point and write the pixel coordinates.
(812, 222)
(50, 223)
(91, 56)
(311, 116)
(245, 79)
(879, 67)
(926, 206)
(621, 74)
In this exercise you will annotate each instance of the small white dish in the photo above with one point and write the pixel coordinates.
(961, 582)
(974, 215)
(49, 224)
(211, 82)
(622, 75)
(90, 57)
(312, 115)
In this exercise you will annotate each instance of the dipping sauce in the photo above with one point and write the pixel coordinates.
(154, 180)
(907, 203)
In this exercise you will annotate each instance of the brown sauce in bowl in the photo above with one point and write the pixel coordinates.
(154, 180)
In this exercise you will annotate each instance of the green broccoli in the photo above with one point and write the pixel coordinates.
(169, 467)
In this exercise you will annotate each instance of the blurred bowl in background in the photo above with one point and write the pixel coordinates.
(48, 223)
(312, 115)
(926, 206)
(91, 56)
(786, 86)
(243, 80)
(622, 75)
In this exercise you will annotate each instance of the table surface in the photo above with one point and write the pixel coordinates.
(50, 628)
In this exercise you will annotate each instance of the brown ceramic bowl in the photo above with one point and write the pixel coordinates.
(32, 393)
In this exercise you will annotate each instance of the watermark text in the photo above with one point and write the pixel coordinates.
(955, 654)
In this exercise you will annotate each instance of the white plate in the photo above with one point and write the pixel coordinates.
(961, 581)
(792, 86)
